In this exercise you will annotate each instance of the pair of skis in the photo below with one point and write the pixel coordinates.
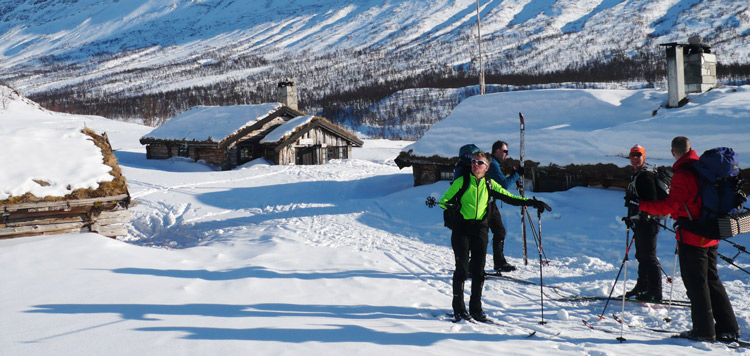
(524, 212)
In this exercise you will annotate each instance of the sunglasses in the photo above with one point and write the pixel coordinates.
(505, 151)
(635, 154)
(478, 162)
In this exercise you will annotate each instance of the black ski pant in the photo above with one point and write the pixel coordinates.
(710, 309)
(645, 234)
(469, 242)
(498, 236)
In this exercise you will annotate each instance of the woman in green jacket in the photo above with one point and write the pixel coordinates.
(470, 232)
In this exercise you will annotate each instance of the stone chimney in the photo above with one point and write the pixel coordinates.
(700, 66)
(691, 68)
(288, 93)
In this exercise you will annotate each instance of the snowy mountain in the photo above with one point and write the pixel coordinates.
(338, 259)
(236, 51)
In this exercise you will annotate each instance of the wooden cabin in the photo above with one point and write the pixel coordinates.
(229, 136)
(102, 210)
(552, 178)
(224, 136)
(308, 140)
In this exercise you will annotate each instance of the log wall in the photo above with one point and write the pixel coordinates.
(107, 216)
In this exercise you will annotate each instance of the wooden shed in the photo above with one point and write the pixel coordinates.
(224, 136)
(308, 140)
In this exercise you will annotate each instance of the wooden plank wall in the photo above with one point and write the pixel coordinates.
(107, 216)
(315, 137)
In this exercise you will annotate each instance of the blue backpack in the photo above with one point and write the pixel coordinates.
(720, 189)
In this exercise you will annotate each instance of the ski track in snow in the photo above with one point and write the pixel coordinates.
(431, 266)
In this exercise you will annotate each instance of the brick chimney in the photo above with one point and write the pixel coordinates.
(287, 94)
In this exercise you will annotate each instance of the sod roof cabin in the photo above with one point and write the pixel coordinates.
(102, 209)
(57, 176)
(228, 136)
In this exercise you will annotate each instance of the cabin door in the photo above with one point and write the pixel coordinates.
(306, 156)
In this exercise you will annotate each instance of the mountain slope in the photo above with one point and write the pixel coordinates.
(129, 48)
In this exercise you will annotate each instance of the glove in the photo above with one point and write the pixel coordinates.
(628, 222)
(519, 170)
(632, 203)
(540, 205)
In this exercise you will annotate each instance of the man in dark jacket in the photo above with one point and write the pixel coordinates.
(499, 153)
(642, 187)
(711, 312)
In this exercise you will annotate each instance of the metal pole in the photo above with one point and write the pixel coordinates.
(671, 287)
(481, 64)
(541, 280)
(520, 183)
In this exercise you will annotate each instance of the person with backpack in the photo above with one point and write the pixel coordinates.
(710, 309)
(499, 153)
(470, 195)
(645, 227)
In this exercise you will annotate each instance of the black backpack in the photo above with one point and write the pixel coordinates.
(720, 190)
(663, 175)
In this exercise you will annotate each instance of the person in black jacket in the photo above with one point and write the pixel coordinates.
(645, 227)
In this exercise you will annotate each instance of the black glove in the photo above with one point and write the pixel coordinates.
(628, 222)
(540, 205)
(631, 203)
(519, 170)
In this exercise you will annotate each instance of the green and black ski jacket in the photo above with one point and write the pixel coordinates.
(475, 200)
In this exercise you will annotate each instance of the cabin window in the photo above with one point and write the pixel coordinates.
(446, 175)
(245, 154)
(182, 150)
(336, 152)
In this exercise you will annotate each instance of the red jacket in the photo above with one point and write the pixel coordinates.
(682, 193)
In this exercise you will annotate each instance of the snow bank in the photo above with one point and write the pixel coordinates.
(566, 126)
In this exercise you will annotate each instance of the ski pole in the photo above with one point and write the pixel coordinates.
(533, 232)
(624, 287)
(671, 287)
(537, 240)
(738, 246)
(731, 262)
(669, 279)
(541, 280)
(627, 250)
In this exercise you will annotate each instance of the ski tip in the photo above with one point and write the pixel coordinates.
(532, 334)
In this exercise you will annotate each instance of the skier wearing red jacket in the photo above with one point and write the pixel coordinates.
(711, 312)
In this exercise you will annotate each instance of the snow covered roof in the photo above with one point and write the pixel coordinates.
(573, 126)
(45, 153)
(286, 129)
(212, 123)
(292, 129)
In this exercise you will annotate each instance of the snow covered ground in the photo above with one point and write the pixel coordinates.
(339, 259)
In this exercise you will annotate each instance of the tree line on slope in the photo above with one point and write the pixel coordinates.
(356, 104)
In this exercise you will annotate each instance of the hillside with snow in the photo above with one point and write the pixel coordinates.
(93, 52)
(342, 258)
